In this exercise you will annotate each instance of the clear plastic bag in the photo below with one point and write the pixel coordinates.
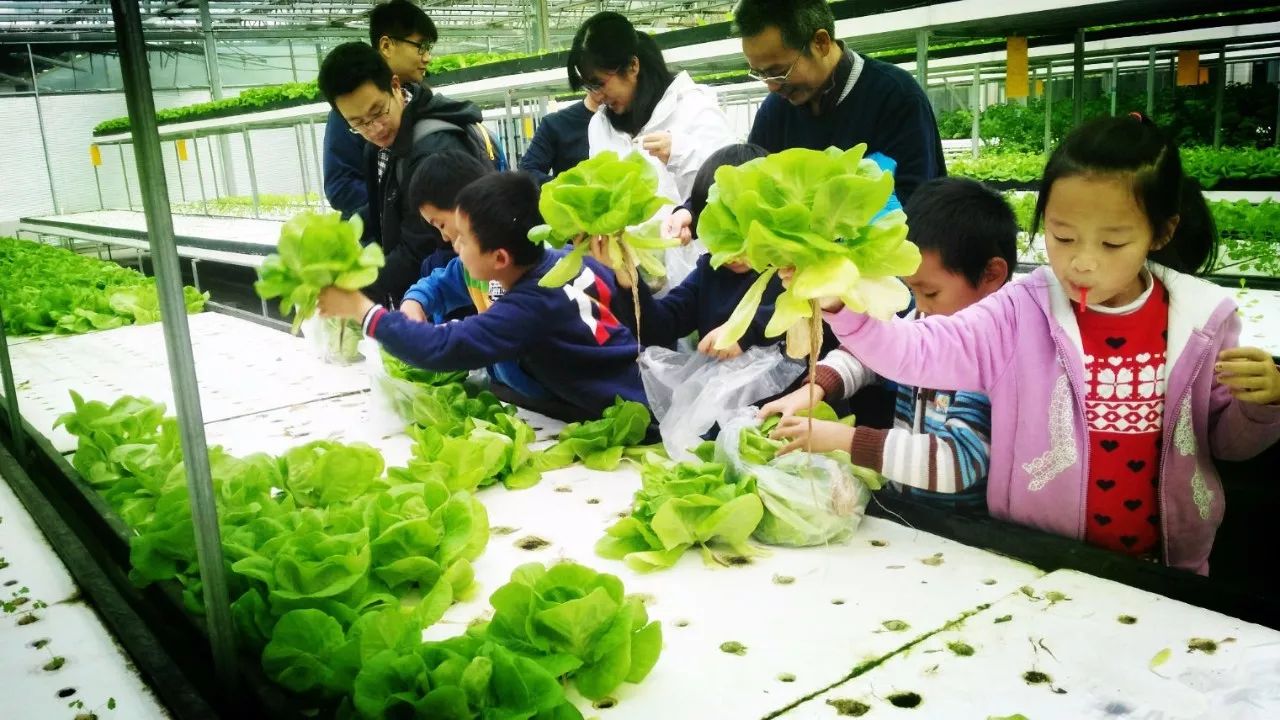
(390, 399)
(808, 499)
(689, 391)
(334, 340)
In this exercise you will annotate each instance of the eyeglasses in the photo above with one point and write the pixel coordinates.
(595, 87)
(359, 126)
(774, 79)
(423, 48)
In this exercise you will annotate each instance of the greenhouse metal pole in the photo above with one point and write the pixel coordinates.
(44, 144)
(253, 175)
(1115, 84)
(97, 181)
(204, 201)
(124, 171)
(215, 91)
(315, 153)
(1219, 91)
(177, 164)
(182, 370)
(303, 165)
(1151, 81)
(1077, 82)
(922, 59)
(975, 109)
(11, 394)
(1048, 108)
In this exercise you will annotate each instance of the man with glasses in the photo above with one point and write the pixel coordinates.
(403, 35)
(404, 124)
(823, 94)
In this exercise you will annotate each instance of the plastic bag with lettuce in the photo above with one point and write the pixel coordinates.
(808, 498)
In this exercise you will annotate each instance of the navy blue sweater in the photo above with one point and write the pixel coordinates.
(559, 144)
(702, 302)
(344, 181)
(568, 338)
(886, 109)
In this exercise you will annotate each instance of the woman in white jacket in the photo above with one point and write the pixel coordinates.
(675, 122)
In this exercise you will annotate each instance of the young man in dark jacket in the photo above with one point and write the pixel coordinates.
(403, 124)
(823, 94)
(403, 35)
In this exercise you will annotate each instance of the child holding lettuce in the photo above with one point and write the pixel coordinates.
(567, 338)
(938, 449)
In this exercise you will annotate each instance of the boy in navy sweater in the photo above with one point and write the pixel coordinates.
(566, 338)
(823, 94)
(450, 291)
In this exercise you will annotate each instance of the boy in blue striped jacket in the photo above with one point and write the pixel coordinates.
(938, 448)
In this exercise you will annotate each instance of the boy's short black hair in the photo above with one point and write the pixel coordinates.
(797, 20)
(502, 208)
(440, 177)
(966, 222)
(400, 19)
(349, 66)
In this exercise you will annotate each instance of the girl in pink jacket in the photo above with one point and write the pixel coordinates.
(1114, 375)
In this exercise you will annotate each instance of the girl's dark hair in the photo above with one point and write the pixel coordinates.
(738, 154)
(1133, 145)
(607, 42)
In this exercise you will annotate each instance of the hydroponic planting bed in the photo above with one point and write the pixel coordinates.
(752, 640)
(239, 241)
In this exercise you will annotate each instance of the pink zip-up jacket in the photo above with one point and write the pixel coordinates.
(1021, 346)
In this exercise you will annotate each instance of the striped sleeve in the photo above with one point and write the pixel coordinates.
(945, 451)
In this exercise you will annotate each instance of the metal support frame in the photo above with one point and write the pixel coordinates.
(97, 182)
(1077, 84)
(253, 174)
(922, 58)
(1115, 84)
(155, 199)
(213, 166)
(975, 109)
(1048, 108)
(137, 255)
(124, 172)
(1151, 81)
(204, 201)
(1219, 92)
(177, 165)
(215, 92)
(303, 166)
(11, 394)
(540, 34)
(44, 143)
(315, 153)
(195, 273)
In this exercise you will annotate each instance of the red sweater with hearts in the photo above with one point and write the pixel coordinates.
(1124, 360)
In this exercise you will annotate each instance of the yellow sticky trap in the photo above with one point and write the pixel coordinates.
(182, 149)
(95, 155)
(1017, 73)
(1188, 68)
(528, 127)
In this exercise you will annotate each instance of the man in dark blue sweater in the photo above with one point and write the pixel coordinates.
(403, 35)
(561, 140)
(567, 338)
(823, 94)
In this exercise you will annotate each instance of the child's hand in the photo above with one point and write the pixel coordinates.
(413, 310)
(707, 346)
(679, 224)
(658, 145)
(339, 303)
(598, 251)
(1250, 374)
(792, 402)
(827, 304)
(827, 435)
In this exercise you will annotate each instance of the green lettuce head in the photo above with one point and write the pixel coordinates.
(815, 211)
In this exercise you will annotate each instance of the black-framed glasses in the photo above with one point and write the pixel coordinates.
(774, 79)
(423, 48)
(359, 126)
